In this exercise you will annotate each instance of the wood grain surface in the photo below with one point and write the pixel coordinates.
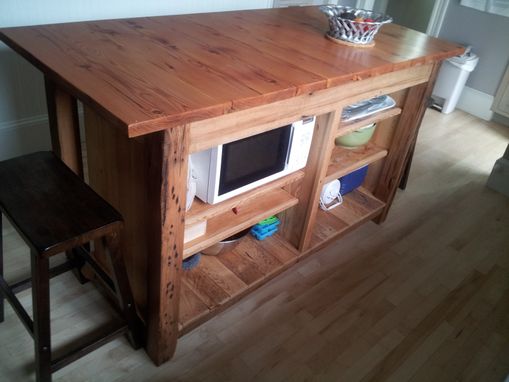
(148, 74)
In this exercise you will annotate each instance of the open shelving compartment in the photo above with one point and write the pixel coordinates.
(233, 215)
(360, 205)
(219, 281)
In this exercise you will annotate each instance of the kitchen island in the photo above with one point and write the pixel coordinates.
(156, 89)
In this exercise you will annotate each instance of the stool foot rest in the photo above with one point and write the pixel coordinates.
(68, 353)
(84, 255)
(9, 292)
(22, 285)
(16, 306)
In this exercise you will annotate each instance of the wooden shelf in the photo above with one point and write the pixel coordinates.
(203, 211)
(219, 281)
(347, 127)
(344, 161)
(358, 207)
(246, 214)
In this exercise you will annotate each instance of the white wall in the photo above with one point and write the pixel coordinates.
(23, 120)
(30, 12)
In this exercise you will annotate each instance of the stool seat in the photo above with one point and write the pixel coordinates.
(34, 194)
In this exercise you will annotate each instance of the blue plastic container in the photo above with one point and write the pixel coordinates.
(353, 180)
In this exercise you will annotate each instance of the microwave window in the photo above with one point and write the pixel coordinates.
(253, 158)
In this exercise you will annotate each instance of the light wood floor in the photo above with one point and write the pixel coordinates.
(423, 297)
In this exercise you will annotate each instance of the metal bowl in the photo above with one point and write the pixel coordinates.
(343, 25)
(226, 245)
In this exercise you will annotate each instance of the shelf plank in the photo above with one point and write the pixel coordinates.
(258, 256)
(203, 211)
(358, 207)
(206, 288)
(344, 161)
(191, 306)
(251, 264)
(242, 267)
(220, 281)
(347, 127)
(221, 275)
(247, 214)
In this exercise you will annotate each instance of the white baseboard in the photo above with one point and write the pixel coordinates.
(476, 103)
(24, 136)
(502, 120)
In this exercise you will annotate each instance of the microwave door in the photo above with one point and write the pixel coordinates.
(253, 159)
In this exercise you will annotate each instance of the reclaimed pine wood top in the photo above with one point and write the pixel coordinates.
(149, 74)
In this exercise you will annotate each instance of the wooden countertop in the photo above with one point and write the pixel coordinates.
(148, 74)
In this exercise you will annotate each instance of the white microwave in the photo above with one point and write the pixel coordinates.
(236, 167)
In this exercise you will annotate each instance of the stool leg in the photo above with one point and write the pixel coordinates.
(123, 289)
(77, 264)
(42, 331)
(1, 270)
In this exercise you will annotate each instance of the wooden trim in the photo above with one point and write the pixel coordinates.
(297, 221)
(249, 214)
(202, 211)
(165, 264)
(320, 169)
(347, 127)
(64, 126)
(241, 124)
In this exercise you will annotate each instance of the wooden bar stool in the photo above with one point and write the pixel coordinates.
(54, 211)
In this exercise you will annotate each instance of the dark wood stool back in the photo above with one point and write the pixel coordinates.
(54, 211)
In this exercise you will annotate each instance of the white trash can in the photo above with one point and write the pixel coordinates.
(451, 80)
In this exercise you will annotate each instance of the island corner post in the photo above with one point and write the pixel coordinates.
(169, 159)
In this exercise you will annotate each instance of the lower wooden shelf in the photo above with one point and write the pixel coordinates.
(344, 161)
(358, 207)
(232, 221)
(219, 281)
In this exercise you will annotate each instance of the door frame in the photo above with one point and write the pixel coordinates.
(436, 19)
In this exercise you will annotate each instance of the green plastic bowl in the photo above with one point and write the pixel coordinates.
(356, 138)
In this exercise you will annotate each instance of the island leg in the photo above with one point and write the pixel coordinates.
(405, 137)
(145, 178)
(64, 126)
(65, 142)
(165, 259)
